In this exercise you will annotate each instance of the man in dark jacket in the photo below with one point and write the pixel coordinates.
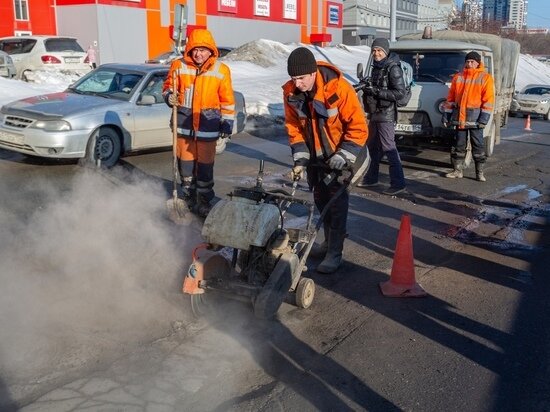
(379, 99)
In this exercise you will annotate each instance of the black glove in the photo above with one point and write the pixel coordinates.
(223, 135)
(370, 90)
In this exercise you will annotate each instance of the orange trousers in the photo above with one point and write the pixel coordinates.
(196, 167)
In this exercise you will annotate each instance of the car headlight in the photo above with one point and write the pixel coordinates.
(543, 101)
(52, 125)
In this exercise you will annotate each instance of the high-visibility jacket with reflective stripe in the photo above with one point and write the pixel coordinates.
(471, 98)
(332, 120)
(206, 101)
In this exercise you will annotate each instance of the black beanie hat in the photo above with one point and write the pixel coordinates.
(381, 43)
(301, 61)
(473, 56)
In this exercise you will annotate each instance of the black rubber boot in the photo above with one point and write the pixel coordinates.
(319, 250)
(333, 258)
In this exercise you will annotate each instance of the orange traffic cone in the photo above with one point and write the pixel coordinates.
(528, 123)
(402, 282)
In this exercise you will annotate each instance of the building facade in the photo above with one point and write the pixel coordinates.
(365, 20)
(508, 13)
(135, 30)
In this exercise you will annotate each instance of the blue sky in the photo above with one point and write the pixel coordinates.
(536, 15)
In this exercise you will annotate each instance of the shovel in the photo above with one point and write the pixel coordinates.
(177, 208)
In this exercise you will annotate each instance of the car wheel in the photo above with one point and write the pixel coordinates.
(547, 117)
(104, 148)
(25, 76)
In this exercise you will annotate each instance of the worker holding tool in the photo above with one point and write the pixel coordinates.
(327, 132)
(205, 113)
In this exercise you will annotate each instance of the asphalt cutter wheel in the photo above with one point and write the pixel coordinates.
(266, 260)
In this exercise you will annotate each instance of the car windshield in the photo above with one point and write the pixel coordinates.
(538, 90)
(109, 83)
(60, 45)
(433, 66)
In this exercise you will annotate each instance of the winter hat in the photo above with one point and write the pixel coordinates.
(473, 56)
(301, 61)
(381, 43)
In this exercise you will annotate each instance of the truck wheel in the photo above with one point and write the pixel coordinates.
(305, 292)
(490, 140)
(468, 158)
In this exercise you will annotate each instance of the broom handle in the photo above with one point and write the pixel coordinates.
(174, 136)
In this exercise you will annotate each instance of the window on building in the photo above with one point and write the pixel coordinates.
(21, 10)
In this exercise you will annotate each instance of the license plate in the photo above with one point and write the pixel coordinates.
(72, 60)
(400, 127)
(4, 72)
(11, 137)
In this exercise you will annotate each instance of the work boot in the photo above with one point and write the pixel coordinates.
(333, 258)
(480, 177)
(457, 173)
(319, 250)
(202, 208)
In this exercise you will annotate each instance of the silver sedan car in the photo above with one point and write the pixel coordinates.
(113, 110)
(534, 100)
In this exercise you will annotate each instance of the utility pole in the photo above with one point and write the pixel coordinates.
(393, 19)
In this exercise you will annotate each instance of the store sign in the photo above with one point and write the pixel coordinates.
(289, 11)
(261, 8)
(333, 14)
(227, 6)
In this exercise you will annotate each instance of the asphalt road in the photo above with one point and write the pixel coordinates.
(92, 317)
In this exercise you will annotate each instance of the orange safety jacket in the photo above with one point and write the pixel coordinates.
(206, 103)
(332, 121)
(471, 98)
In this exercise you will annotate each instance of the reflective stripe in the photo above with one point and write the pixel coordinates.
(198, 133)
(332, 112)
(185, 70)
(350, 157)
(228, 117)
(228, 107)
(300, 155)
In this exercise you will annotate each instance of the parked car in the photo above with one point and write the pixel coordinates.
(533, 99)
(167, 57)
(32, 53)
(7, 68)
(113, 110)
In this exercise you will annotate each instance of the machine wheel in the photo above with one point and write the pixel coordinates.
(104, 148)
(305, 292)
(214, 267)
(200, 306)
(273, 293)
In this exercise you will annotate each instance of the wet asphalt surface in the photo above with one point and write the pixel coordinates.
(93, 318)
